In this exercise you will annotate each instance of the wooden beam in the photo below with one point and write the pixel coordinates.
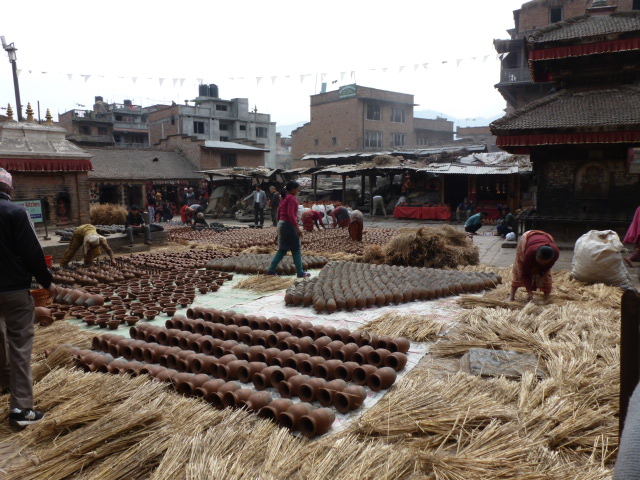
(344, 188)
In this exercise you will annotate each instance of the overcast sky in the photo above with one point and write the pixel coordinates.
(274, 53)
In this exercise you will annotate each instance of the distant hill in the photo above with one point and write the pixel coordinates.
(286, 130)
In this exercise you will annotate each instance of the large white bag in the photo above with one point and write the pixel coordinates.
(597, 258)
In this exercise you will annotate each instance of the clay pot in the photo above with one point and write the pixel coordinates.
(361, 373)
(345, 370)
(216, 398)
(257, 401)
(378, 357)
(326, 393)
(282, 356)
(316, 422)
(166, 375)
(327, 351)
(204, 364)
(273, 409)
(282, 375)
(230, 371)
(236, 398)
(208, 388)
(113, 324)
(345, 353)
(396, 360)
(307, 366)
(362, 354)
(349, 399)
(318, 344)
(186, 385)
(289, 418)
(381, 379)
(327, 370)
(289, 388)
(151, 370)
(399, 344)
(294, 360)
(246, 372)
(308, 391)
(263, 379)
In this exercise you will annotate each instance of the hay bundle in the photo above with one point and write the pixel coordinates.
(442, 247)
(414, 327)
(374, 254)
(108, 214)
(266, 283)
(258, 249)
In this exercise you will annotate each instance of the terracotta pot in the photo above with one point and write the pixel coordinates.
(378, 357)
(224, 348)
(327, 351)
(346, 352)
(299, 330)
(327, 370)
(361, 355)
(257, 401)
(399, 344)
(326, 393)
(273, 409)
(294, 360)
(381, 379)
(306, 366)
(209, 387)
(361, 374)
(262, 379)
(289, 388)
(151, 370)
(289, 418)
(246, 372)
(204, 364)
(236, 398)
(282, 356)
(316, 422)
(282, 375)
(349, 399)
(383, 341)
(230, 371)
(96, 363)
(342, 334)
(396, 360)
(318, 344)
(308, 391)
(216, 398)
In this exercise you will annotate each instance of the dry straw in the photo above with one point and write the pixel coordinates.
(108, 214)
(418, 328)
(265, 283)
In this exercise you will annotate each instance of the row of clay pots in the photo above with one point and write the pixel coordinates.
(230, 367)
(349, 285)
(271, 347)
(295, 327)
(294, 416)
(170, 260)
(260, 263)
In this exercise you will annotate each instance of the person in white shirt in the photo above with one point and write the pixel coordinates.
(378, 201)
(259, 199)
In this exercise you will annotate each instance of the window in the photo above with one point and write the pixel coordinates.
(372, 139)
(224, 139)
(102, 131)
(228, 160)
(397, 139)
(398, 115)
(118, 118)
(198, 127)
(636, 5)
(173, 120)
(221, 108)
(243, 128)
(224, 126)
(261, 132)
(555, 14)
(373, 111)
(316, 142)
(334, 140)
(85, 130)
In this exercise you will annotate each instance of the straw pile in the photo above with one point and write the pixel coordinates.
(265, 283)
(432, 247)
(108, 214)
(418, 328)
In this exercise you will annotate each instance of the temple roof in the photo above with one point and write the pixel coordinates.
(587, 28)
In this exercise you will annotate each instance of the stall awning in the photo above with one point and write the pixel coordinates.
(45, 164)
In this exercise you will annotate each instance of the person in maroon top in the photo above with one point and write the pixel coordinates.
(289, 232)
(311, 218)
(537, 252)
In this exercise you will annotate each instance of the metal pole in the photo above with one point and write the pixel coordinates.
(16, 88)
(44, 218)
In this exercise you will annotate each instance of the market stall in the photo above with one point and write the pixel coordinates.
(423, 213)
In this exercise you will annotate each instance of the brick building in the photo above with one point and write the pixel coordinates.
(121, 125)
(356, 118)
(478, 135)
(515, 83)
(216, 120)
(580, 137)
(45, 166)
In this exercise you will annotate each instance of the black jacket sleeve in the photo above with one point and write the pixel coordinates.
(30, 249)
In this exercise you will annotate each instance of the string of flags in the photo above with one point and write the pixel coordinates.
(333, 76)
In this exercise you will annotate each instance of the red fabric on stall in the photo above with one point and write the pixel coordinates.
(423, 213)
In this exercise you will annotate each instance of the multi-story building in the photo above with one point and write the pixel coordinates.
(217, 120)
(478, 135)
(515, 78)
(122, 125)
(356, 118)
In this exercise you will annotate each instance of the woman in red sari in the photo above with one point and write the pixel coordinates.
(633, 236)
(537, 252)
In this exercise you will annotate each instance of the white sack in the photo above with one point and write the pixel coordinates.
(597, 258)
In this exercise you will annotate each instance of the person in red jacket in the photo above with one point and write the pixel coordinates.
(289, 232)
(537, 252)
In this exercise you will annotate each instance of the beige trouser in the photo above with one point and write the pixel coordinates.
(378, 202)
(17, 310)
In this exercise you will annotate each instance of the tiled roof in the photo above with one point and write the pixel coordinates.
(585, 110)
(124, 164)
(587, 27)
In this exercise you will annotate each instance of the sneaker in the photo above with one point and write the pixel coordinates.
(304, 275)
(25, 417)
(273, 274)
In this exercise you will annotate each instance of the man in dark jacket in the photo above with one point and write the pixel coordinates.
(135, 224)
(21, 257)
(274, 203)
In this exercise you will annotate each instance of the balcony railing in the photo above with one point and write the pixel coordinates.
(513, 75)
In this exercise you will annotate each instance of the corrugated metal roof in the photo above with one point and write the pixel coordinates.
(458, 168)
(262, 172)
(231, 146)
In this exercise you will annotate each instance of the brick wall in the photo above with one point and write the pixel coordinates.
(71, 185)
(160, 123)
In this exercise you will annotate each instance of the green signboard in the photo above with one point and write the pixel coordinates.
(347, 91)
(34, 207)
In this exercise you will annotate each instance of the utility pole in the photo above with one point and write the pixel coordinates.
(11, 51)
